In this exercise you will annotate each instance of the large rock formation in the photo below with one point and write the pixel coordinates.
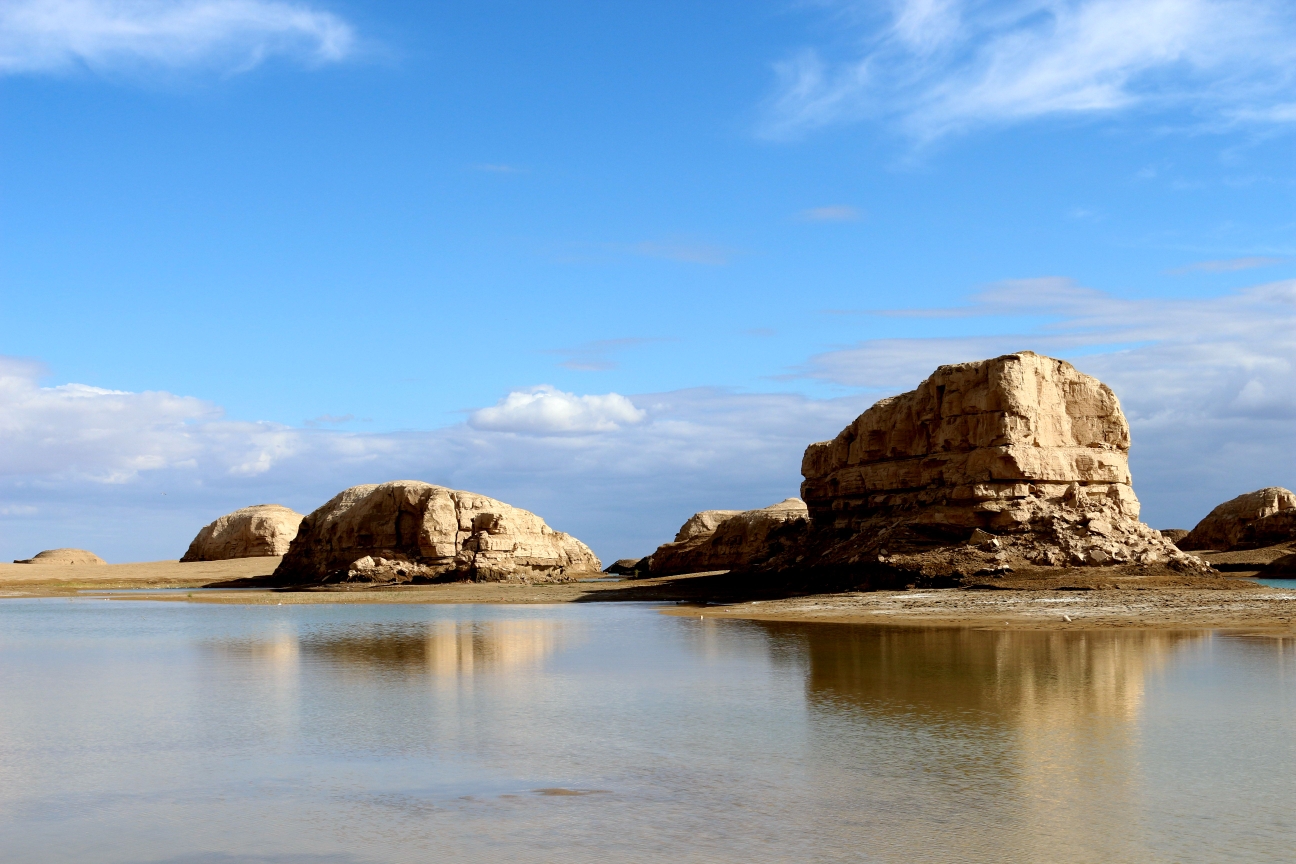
(406, 531)
(1242, 521)
(1022, 456)
(1270, 531)
(63, 556)
(264, 530)
(728, 539)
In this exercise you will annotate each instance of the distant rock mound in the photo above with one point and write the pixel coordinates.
(1174, 535)
(1227, 526)
(406, 531)
(63, 556)
(728, 539)
(628, 567)
(1018, 459)
(1282, 568)
(264, 530)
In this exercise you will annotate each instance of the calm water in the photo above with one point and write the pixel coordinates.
(136, 731)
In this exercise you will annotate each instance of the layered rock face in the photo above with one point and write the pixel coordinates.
(1260, 518)
(1269, 531)
(264, 530)
(406, 531)
(729, 539)
(1023, 449)
(63, 556)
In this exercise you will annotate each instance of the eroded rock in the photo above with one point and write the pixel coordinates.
(628, 567)
(406, 531)
(1227, 526)
(263, 530)
(1272, 530)
(1282, 568)
(63, 556)
(1022, 449)
(728, 539)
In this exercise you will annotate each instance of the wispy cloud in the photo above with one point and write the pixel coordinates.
(44, 36)
(1228, 265)
(685, 251)
(329, 420)
(1258, 322)
(596, 356)
(1209, 384)
(833, 213)
(935, 67)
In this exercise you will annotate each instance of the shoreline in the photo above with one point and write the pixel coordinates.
(1253, 608)
(1094, 599)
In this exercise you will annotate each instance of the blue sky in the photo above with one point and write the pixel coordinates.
(314, 244)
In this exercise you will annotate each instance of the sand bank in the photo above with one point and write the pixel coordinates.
(1080, 599)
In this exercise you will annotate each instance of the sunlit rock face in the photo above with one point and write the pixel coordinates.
(263, 530)
(728, 539)
(406, 531)
(1264, 517)
(1020, 451)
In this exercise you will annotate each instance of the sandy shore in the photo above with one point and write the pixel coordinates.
(58, 579)
(1099, 600)
(1246, 608)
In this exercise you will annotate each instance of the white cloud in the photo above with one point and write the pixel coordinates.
(134, 475)
(939, 66)
(40, 36)
(1209, 386)
(88, 432)
(545, 410)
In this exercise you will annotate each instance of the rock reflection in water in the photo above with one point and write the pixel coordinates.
(443, 648)
(999, 745)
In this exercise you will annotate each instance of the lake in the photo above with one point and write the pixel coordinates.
(148, 731)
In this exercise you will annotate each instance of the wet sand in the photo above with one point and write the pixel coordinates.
(1089, 599)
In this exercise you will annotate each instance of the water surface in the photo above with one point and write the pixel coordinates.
(140, 731)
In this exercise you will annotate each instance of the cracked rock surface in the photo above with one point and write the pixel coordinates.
(1020, 459)
(264, 530)
(1260, 518)
(729, 539)
(409, 531)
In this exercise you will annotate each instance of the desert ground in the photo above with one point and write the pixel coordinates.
(1080, 598)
